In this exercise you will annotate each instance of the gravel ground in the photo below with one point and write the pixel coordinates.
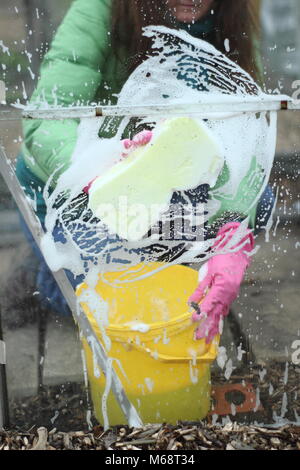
(56, 419)
(272, 394)
(183, 436)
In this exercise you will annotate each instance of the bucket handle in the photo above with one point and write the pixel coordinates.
(209, 356)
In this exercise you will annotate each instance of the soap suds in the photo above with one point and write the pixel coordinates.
(182, 70)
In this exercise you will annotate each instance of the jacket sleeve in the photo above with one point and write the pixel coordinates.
(243, 202)
(70, 74)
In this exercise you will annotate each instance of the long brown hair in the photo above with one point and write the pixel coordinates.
(235, 20)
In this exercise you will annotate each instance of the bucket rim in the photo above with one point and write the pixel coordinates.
(153, 327)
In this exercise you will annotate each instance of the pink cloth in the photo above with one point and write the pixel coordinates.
(142, 138)
(221, 284)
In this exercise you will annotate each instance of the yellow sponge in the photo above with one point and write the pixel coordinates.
(131, 196)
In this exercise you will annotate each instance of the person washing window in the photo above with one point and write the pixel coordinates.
(93, 53)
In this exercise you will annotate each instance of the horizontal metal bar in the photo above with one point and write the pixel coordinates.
(207, 108)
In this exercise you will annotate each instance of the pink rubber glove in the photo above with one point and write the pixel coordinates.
(221, 279)
(87, 188)
(142, 138)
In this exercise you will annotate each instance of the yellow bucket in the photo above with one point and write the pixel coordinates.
(164, 371)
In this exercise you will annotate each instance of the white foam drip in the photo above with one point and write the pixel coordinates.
(141, 327)
(149, 384)
(99, 308)
(194, 372)
(222, 357)
(108, 376)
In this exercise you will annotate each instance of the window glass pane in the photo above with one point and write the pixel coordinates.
(255, 378)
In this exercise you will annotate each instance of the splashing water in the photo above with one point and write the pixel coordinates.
(182, 69)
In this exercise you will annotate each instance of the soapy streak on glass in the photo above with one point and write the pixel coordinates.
(179, 222)
(172, 80)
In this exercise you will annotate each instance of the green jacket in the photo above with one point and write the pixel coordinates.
(79, 69)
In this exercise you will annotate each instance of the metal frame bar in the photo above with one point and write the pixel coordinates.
(226, 106)
(67, 290)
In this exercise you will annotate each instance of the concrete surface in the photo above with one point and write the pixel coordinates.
(268, 307)
(22, 357)
(62, 360)
(63, 353)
